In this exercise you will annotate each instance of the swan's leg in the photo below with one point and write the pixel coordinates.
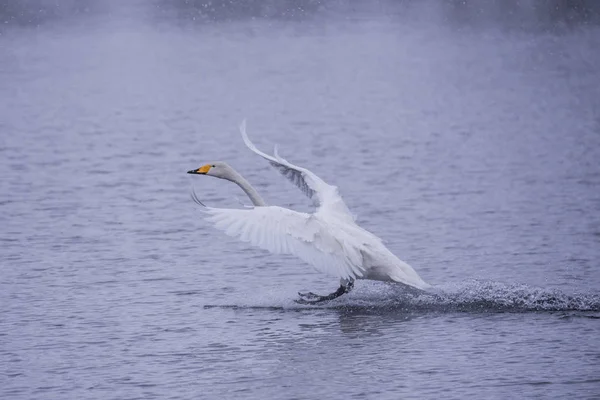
(346, 285)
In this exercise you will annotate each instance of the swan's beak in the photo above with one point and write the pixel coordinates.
(202, 170)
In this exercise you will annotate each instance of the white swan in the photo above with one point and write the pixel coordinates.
(329, 239)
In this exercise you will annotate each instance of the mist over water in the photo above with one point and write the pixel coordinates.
(525, 13)
(465, 133)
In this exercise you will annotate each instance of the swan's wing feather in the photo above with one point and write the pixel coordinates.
(325, 196)
(291, 172)
(295, 176)
(284, 231)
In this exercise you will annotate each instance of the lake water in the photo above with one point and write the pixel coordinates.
(471, 147)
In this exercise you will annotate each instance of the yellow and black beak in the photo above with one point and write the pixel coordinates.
(202, 170)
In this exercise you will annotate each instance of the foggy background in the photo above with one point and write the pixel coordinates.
(524, 14)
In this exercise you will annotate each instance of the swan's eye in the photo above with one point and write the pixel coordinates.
(212, 166)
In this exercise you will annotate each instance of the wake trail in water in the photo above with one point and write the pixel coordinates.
(467, 296)
(495, 296)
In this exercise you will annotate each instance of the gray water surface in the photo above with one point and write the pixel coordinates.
(472, 149)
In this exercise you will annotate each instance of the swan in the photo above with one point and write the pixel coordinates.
(329, 238)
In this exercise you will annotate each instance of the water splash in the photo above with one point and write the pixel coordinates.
(466, 296)
(496, 296)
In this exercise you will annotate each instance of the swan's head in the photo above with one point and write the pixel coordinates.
(218, 169)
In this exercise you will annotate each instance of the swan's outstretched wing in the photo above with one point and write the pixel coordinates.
(284, 231)
(324, 195)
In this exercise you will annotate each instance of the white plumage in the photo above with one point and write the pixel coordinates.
(328, 239)
(284, 231)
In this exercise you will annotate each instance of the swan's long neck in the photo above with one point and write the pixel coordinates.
(247, 187)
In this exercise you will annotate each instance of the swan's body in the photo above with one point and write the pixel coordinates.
(329, 239)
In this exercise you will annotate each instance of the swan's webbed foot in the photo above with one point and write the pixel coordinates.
(308, 295)
(313, 298)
